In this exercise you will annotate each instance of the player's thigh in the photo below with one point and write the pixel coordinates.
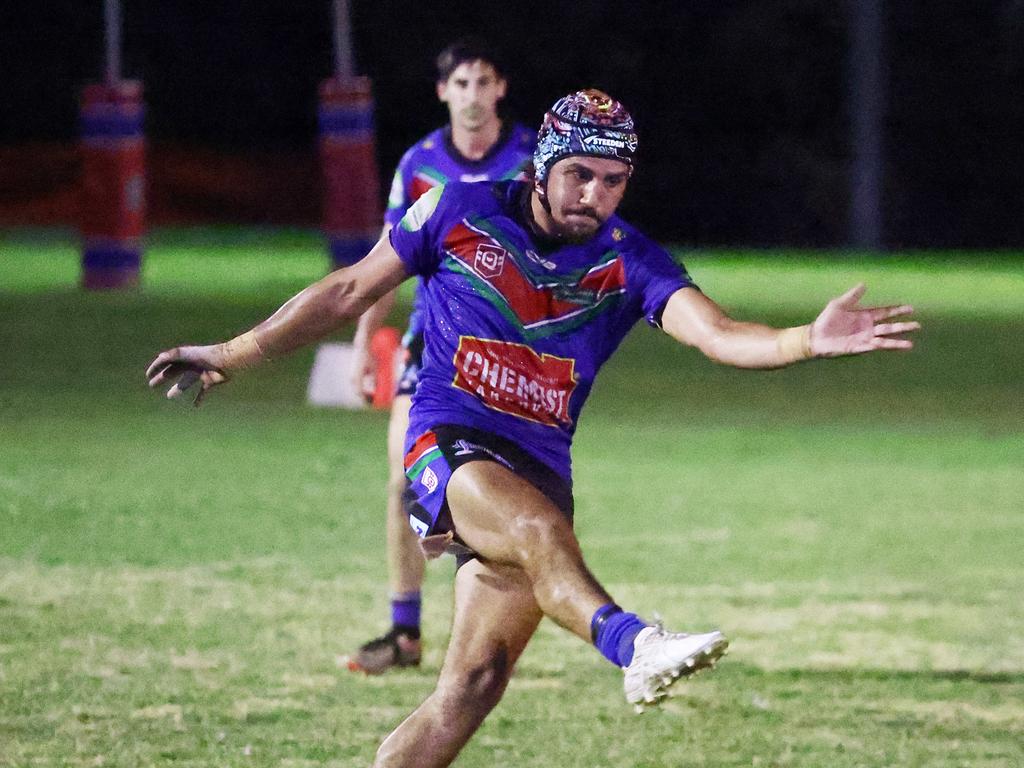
(398, 425)
(497, 513)
(495, 617)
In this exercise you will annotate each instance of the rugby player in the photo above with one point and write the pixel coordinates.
(475, 145)
(529, 288)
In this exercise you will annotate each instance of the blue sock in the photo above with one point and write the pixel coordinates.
(405, 612)
(613, 631)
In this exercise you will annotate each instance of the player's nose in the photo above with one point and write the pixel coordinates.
(589, 192)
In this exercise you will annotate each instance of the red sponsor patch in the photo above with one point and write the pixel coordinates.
(514, 379)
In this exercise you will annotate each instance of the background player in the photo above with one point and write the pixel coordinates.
(475, 145)
(531, 288)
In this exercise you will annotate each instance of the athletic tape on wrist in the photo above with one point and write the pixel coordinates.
(242, 351)
(794, 344)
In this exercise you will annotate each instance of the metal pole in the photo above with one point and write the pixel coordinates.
(343, 68)
(867, 109)
(112, 25)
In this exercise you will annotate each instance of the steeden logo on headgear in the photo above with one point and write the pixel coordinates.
(604, 141)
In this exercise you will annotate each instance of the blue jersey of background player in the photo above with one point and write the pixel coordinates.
(436, 160)
(475, 145)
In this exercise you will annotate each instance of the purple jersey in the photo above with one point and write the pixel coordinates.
(515, 333)
(434, 160)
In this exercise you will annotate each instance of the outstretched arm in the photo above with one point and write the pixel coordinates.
(308, 316)
(842, 328)
(363, 370)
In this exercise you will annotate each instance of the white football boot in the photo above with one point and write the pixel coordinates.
(661, 658)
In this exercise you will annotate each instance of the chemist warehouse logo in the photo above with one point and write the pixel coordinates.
(514, 379)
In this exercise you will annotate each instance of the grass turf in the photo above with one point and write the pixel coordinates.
(176, 585)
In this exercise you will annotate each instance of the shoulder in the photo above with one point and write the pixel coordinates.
(424, 146)
(644, 259)
(480, 197)
(430, 142)
(451, 202)
(623, 237)
(522, 138)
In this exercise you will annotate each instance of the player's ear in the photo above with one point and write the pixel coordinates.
(442, 90)
(502, 87)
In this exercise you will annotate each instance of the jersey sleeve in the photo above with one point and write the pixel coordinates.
(398, 196)
(526, 142)
(417, 235)
(652, 276)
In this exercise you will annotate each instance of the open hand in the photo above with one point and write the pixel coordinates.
(184, 366)
(843, 328)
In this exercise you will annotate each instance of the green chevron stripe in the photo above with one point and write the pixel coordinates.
(417, 469)
(536, 332)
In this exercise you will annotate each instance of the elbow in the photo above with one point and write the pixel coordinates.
(712, 342)
(713, 350)
(342, 301)
(708, 344)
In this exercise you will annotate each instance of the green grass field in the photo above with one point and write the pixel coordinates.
(176, 585)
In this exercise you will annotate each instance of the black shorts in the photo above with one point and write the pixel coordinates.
(437, 453)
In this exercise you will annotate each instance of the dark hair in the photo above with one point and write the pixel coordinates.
(468, 49)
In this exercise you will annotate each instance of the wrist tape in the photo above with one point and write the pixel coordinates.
(794, 344)
(242, 351)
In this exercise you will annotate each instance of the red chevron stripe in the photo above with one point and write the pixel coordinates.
(475, 250)
(424, 443)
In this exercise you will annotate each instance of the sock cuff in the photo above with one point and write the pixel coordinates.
(405, 597)
(405, 610)
(600, 617)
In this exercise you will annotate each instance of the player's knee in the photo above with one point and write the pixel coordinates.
(478, 686)
(539, 533)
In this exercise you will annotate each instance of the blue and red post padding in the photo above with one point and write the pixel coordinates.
(352, 208)
(113, 211)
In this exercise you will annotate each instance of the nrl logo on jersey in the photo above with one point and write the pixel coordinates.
(490, 260)
(471, 177)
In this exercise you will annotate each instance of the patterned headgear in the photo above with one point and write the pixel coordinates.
(589, 123)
